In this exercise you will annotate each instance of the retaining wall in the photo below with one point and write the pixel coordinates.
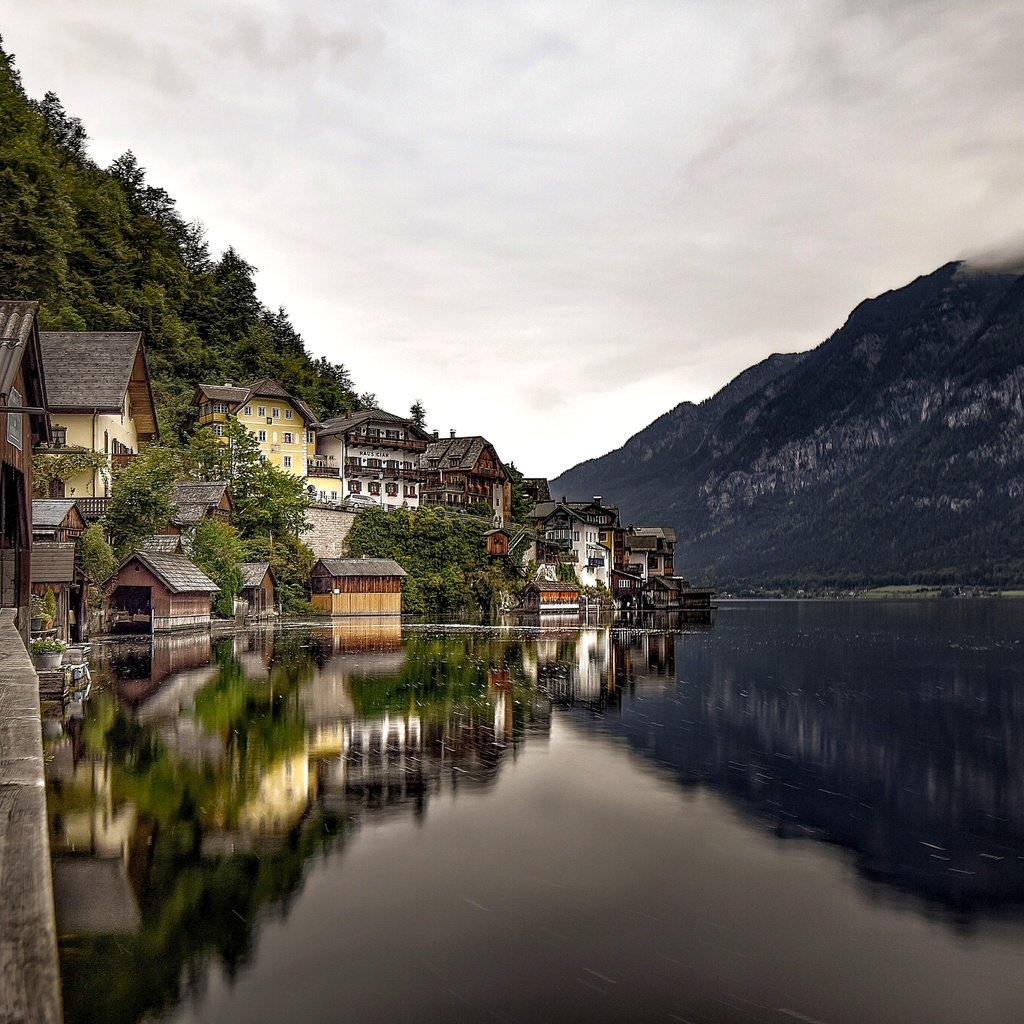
(29, 975)
(329, 529)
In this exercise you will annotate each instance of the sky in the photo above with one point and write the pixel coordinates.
(551, 223)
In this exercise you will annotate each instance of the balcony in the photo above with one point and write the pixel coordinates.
(322, 469)
(398, 443)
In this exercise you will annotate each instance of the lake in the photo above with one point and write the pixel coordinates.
(807, 811)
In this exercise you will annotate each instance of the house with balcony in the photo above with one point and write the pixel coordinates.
(100, 399)
(461, 472)
(580, 534)
(368, 457)
(282, 424)
(23, 427)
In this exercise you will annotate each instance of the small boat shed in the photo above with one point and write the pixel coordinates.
(550, 596)
(155, 592)
(258, 588)
(357, 586)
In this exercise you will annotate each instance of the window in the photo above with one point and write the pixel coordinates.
(287, 437)
(287, 462)
(60, 434)
(261, 410)
(334, 495)
(276, 413)
(247, 410)
(375, 488)
(261, 435)
(410, 491)
(218, 430)
(355, 486)
(310, 437)
(576, 535)
(15, 420)
(288, 416)
(391, 490)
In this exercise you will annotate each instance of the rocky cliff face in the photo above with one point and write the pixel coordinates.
(895, 450)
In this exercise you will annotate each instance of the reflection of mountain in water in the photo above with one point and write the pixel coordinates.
(900, 747)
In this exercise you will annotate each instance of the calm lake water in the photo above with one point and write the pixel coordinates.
(805, 812)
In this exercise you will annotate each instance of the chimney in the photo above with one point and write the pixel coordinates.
(563, 499)
(597, 500)
(451, 433)
(435, 435)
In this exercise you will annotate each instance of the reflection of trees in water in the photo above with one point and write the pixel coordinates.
(910, 758)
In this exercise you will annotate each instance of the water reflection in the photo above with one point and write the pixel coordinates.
(205, 777)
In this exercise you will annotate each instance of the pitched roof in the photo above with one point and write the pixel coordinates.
(163, 543)
(193, 501)
(88, 370)
(254, 572)
(543, 509)
(53, 562)
(266, 387)
(50, 512)
(362, 566)
(552, 586)
(660, 532)
(466, 452)
(16, 322)
(354, 420)
(176, 572)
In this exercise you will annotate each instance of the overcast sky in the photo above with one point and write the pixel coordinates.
(553, 222)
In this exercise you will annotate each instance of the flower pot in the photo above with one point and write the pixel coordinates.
(37, 625)
(48, 661)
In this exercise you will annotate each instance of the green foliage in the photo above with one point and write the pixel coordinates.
(291, 562)
(217, 550)
(267, 501)
(522, 506)
(62, 464)
(44, 606)
(444, 555)
(141, 502)
(418, 414)
(96, 555)
(48, 645)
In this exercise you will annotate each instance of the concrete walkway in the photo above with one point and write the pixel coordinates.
(29, 976)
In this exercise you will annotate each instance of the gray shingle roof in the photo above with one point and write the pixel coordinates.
(160, 543)
(362, 567)
(253, 573)
(88, 370)
(465, 450)
(355, 420)
(16, 320)
(177, 573)
(194, 501)
(50, 512)
(53, 562)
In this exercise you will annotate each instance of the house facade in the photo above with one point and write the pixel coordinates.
(25, 426)
(56, 526)
(100, 399)
(281, 423)
(368, 457)
(357, 586)
(460, 472)
(153, 592)
(580, 533)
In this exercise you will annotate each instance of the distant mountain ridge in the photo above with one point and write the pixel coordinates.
(894, 451)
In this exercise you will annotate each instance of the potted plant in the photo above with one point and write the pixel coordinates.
(37, 612)
(48, 652)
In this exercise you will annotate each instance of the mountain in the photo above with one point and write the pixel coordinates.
(892, 452)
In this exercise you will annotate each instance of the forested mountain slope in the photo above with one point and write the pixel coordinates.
(103, 249)
(893, 451)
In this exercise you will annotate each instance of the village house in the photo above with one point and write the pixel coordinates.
(368, 457)
(153, 592)
(282, 424)
(542, 596)
(460, 472)
(56, 526)
(258, 588)
(580, 533)
(100, 400)
(26, 425)
(357, 586)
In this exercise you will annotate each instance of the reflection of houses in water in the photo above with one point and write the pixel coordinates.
(90, 840)
(644, 660)
(575, 667)
(137, 668)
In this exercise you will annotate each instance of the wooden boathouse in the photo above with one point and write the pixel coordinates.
(357, 586)
(152, 592)
(550, 596)
(258, 589)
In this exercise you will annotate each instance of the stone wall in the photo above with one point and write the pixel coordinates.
(329, 529)
(29, 976)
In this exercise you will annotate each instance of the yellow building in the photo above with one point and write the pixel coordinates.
(282, 424)
(100, 399)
